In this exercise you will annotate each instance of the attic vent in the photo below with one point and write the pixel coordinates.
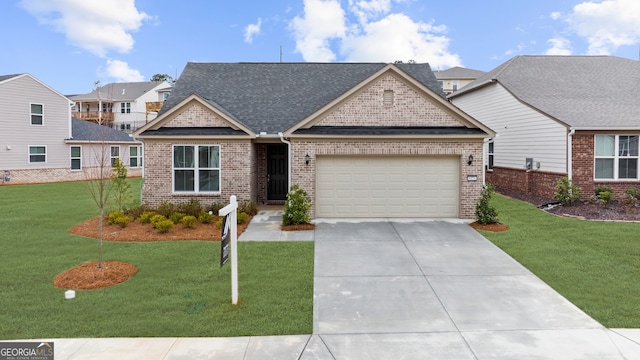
(387, 98)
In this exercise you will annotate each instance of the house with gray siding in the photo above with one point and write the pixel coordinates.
(39, 141)
(557, 116)
(362, 139)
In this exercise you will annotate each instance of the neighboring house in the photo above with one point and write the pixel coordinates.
(123, 106)
(556, 116)
(362, 139)
(37, 138)
(456, 78)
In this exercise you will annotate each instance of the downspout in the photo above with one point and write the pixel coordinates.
(485, 151)
(570, 153)
(288, 158)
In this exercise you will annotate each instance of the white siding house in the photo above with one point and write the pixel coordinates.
(37, 138)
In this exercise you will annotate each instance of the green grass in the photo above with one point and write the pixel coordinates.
(596, 265)
(179, 290)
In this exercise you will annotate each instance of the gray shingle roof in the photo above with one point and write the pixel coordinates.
(118, 91)
(273, 97)
(458, 72)
(7, 77)
(88, 131)
(586, 92)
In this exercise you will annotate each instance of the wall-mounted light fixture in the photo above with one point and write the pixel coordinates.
(7, 176)
(307, 159)
(470, 161)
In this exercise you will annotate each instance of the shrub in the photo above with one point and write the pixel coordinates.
(119, 218)
(485, 212)
(296, 208)
(189, 221)
(163, 226)
(600, 189)
(219, 222)
(137, 211)
(633, 195)
(122, 221)
(605, 197)
(248, 206)
(146, 216)
(165, 209)
(157, 218)
(241, 218)
(205, 217)
(215, 207)
(113, 216)
(176, 217)
(192, 207)
(566, 192)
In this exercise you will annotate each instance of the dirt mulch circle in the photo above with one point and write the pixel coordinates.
(489, 227)
(87, 276)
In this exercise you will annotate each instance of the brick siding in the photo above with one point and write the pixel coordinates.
(40, 176)
(196, 115)
(237, 166)
(533, 182)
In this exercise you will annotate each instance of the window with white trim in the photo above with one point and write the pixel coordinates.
(196, 168)
(115, 154)
(135, 156)
(37, 154)
(125, 108)
(76, 157)
(490, 151)
(387, 97)
(616, 157)
(37, 114)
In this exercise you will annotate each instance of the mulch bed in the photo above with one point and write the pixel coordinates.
(87, 276)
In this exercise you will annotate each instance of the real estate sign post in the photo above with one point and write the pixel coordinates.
(231, 213)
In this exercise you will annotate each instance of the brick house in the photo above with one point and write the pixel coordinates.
(557, 116)
(362, 139)
(40, 142)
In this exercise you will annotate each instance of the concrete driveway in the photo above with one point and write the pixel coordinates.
(439, 290)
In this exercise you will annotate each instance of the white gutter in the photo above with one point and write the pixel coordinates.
(570, 153)
(289, 159)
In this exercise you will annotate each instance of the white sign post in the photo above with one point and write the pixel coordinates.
(232, 211)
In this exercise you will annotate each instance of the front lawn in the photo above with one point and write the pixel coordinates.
(179, 290)
(596, 265)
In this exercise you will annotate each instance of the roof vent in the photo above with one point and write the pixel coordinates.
(387, 98)
(123, 91)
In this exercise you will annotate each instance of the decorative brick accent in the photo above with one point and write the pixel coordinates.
(366, 108)
(41, 176)
(196, 115)
(305, 176)
(533, 182)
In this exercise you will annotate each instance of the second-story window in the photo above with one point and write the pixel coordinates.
(37, 114)
(125, 108)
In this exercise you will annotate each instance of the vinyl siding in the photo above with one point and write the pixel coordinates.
(18, 134)
(522, 132)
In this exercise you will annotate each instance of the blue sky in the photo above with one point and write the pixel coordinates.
(70, 44)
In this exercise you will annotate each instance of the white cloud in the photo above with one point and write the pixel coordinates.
(397, 37)
(559, 46)
(519, 48)
(607, 24)
(251, 30)
(96, 26)
(555, 15)
(121, 72)
(376, 35)
(322, 21)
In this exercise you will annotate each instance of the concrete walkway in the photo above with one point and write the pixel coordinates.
(402, 290)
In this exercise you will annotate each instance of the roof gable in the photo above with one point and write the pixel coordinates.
(196, 113)
(458, 72)
(4, 79)
(416, 106)
(273, 97)
(585, 92)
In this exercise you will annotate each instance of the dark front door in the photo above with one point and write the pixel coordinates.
(277, 166)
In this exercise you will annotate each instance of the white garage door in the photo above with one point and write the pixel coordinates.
(387, 186)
